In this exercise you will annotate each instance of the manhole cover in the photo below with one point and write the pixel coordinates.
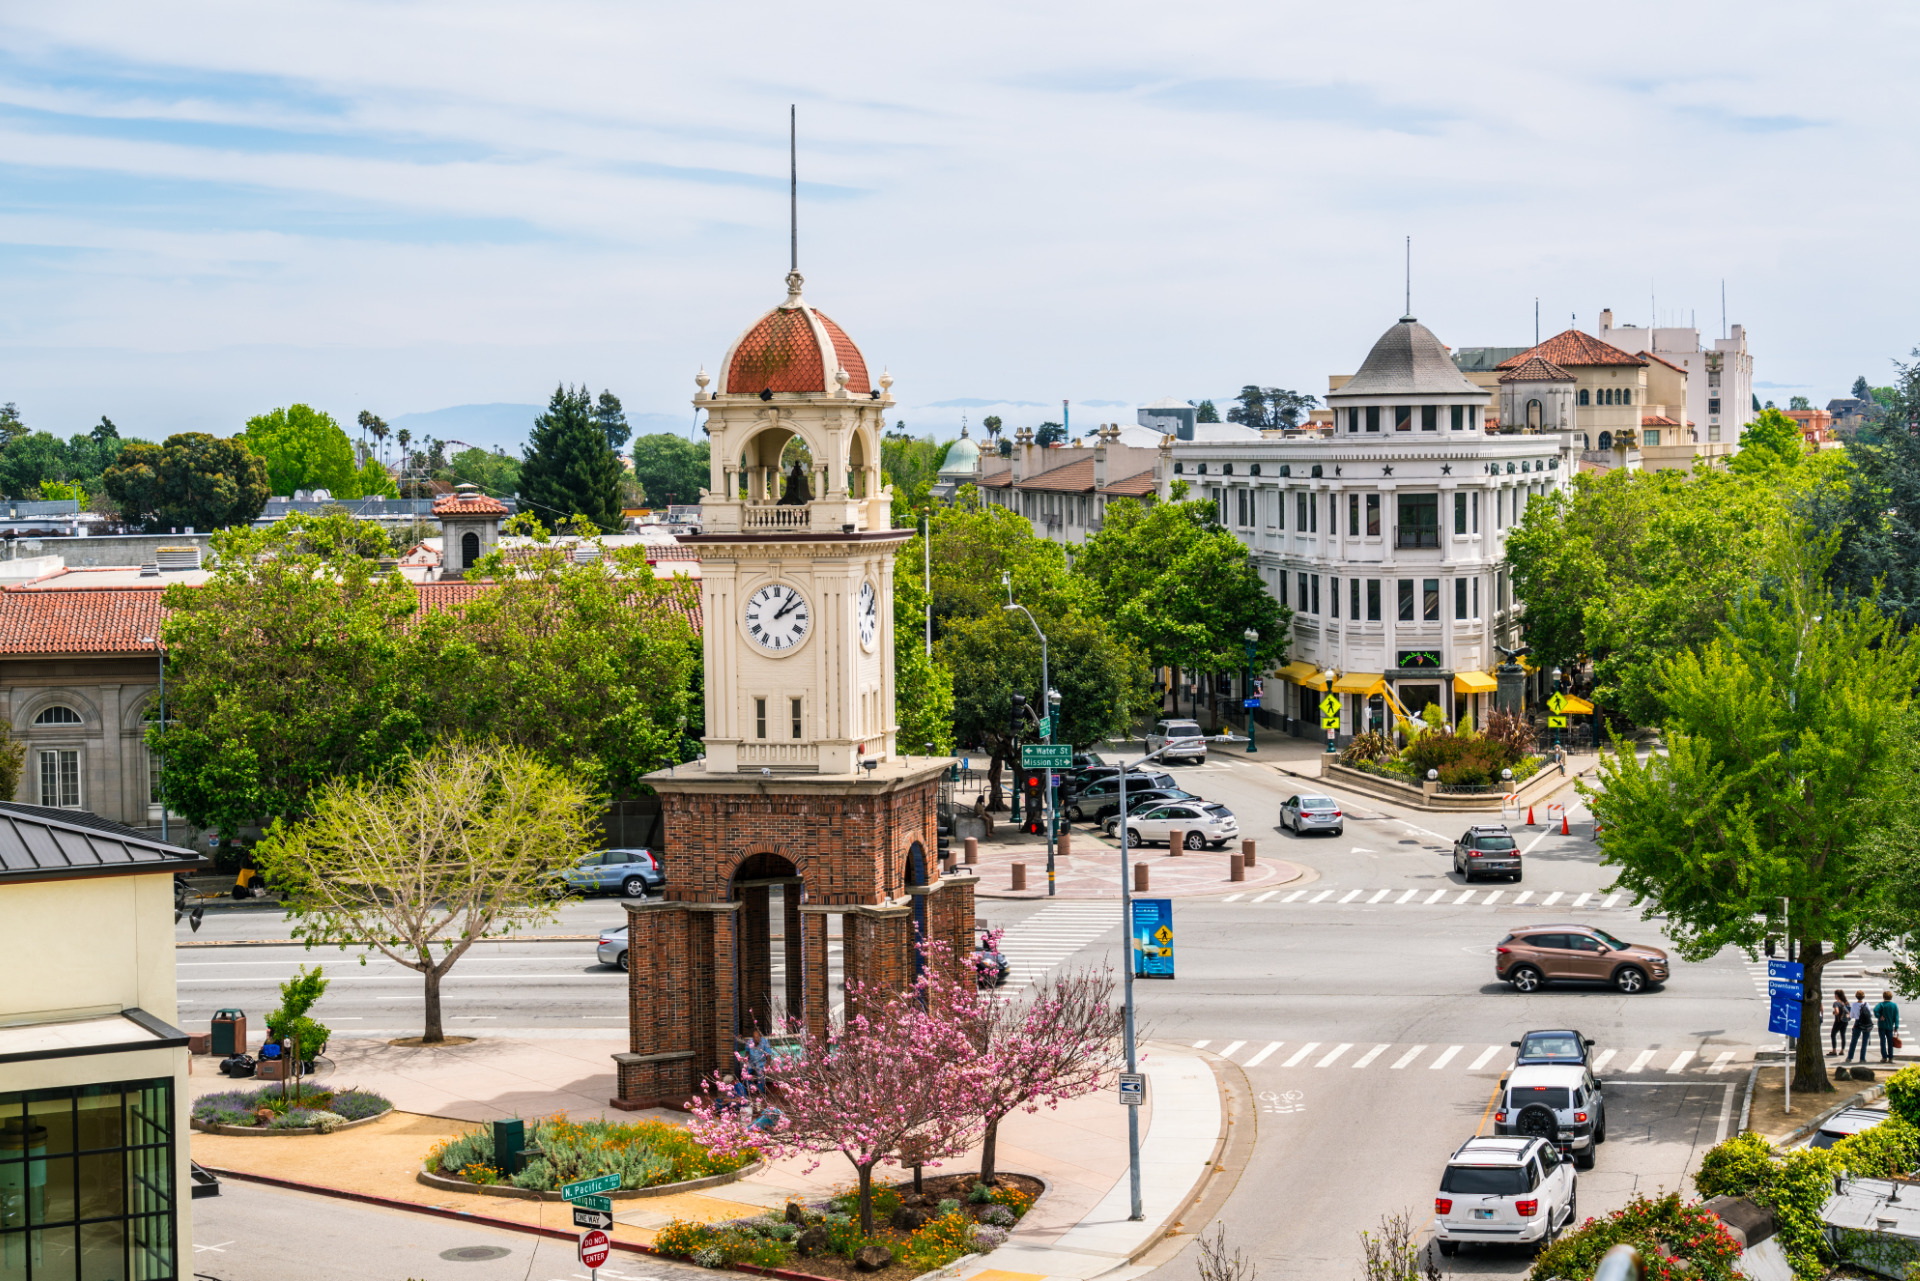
(475, 1253)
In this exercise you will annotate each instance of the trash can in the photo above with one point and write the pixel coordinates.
(229, 1032)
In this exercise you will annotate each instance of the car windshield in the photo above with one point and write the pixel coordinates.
(1317, 803)
(1493, 842)
(1557, 1097)
(1485, 1180)
(1553, 1045)
(1608, 939)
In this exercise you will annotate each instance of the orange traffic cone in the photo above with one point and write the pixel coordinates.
(1564, 830)
(1529, 816)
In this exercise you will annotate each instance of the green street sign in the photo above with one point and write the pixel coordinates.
(1330, 705)
(594, 1203)
(587, 1187)
(1046, 755)
(1045, 727)
(1329, 722)
(1558, 702)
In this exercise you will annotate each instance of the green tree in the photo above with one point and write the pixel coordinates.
(1049, 434)
(1771, 440)
(303, 448)
(990, 424)
(422, 862)
(611, 419)
(13, 761)
(1270, 407)
(1860, 389)
(912, 467)
(192, 481)
(370, 481)
(1780, 732)
(569, 469)
(1798, 402)
(922, 686)
(28, 460)
(1206, 413)
(496, 473)
(670, 469)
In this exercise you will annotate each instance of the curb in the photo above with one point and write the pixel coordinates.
(1794, 1136)
(447, 1183)
(1230, 1088)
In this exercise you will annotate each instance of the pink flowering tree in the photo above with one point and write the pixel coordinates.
(897, 1078)
(1059, 1041)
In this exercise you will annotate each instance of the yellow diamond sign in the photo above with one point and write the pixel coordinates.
(1330, 705)
(1164, 934)
(1557, 703)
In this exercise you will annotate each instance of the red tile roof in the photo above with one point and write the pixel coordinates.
(1574, 350)
(1663, 360)
(1138, 485)
(468, 505)
(1075, 478)
(782, 353)
(671, 551)
(1657, 420)
(79, 620)
(1536, 370)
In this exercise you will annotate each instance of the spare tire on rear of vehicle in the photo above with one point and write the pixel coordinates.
(1537, 1121)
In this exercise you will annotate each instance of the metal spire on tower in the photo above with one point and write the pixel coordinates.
(793, 185)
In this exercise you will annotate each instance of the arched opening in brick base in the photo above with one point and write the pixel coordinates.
(768, 888)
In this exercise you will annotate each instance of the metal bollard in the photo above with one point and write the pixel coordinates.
(1176, 841)
(1236, 868)
(1246, 853)
(1019, 876)
(1139, 878)
(973, 850)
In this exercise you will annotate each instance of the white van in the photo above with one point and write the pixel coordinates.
(1182, 739)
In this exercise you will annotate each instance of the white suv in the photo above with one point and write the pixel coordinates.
(1503, 1190)
(1203, 823)
(1562, 1104)
(1182, 739)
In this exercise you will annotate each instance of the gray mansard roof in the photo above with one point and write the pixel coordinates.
(1409, 361)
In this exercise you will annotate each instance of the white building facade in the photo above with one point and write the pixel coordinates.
(1719, 378)
(1387, 535)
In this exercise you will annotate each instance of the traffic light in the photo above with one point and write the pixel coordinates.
(1034, 790)
(1019, 716)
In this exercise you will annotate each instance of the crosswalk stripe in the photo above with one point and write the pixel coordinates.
(1485, 1055)
(1464, 896)
(1407, 1058)
(1606, 1057)
(1524, 896)
(1493, 896)
(1404, 897)
(1644, 1058)
(1349, 896)
(1720, 1063)
(1323, 894)
(1261, 898)
(1296, 894)
(1233, 897)
(1334, 1053)
(1228, 1052)
(1610, 900)
(1302, 1053)
(1377, 897)
(1372, 1054)
(1582, 900)
(1445, 1058)
(1436, 895)
(1551, 899)
(1681, 1062)
(1261, 1057)
(1201, 1045)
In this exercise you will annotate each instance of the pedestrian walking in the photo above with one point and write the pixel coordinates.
(1862, 1027)
(1886, 1016)
(1837, 1035)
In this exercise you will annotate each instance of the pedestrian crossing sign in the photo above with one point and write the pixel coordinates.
(1556, 722)
(1557, 703)
(1330, 722)
(1330, 706)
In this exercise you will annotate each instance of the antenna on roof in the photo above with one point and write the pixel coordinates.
(1536, 321)
(1409, 310)
(793, 184)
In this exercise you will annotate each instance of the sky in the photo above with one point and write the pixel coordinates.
(211, 209)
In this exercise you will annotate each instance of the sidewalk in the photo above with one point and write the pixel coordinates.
(1078, 1230)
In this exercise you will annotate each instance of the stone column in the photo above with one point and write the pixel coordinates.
(756, 962)
(658, 1068)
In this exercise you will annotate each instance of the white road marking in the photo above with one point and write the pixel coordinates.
(1404, 897)
(1485, 1057)
(1377, 897)
(1493, 896)
(1726, 1115)
(1302, 1053)
(1464, 896)
(1645, 1057)
(1231, 897)
(1323, 894)
(1261, 898)
(1720, 1062)
(1606, 1057)
(1523, 897)
(1685, 1057)
(1535, 841)
(1551, 899)
(1334, 1053)
(1371, 1055)
(1581, 901)
(1610, 900)
(1408, 1057)
(1423, 831)
(1436, 896)
(1261, 1057)
(1350, 895)
(1296, 894)
(1445, 1058)
(1201, 1045)
(1231, 1047)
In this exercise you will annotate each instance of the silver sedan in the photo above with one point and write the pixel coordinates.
(613, 947)
(1312, 814)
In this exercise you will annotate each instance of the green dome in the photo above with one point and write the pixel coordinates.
(963, 457)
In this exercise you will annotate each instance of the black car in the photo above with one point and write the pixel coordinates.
(1083, 776)
(1557, 1046)
(990, 966)
(1109, 809)
(1106, 791)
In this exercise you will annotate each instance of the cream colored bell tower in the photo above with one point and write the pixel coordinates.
(796, 552)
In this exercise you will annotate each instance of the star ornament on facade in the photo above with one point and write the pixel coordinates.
(1446, 469)
(1387, 470)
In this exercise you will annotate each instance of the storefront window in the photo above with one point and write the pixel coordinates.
(86, 1183)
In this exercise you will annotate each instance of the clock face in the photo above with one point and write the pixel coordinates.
(869, 615)
(777, 617)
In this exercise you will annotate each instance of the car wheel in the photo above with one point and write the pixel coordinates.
(623, 963)
(1448, 1248)
(1525, 978)
(1339, 831)
(634, 887)
(1516, 878)
(1630, 979)
(1582, 1161)
(1600, 1131)
(1195, 841)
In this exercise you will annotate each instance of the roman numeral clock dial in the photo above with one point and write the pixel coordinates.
(777, 618)
(869, 615)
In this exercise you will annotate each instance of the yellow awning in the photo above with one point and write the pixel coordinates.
(1474, 683)
(1299, 673)
(1360, 683)
(1578, 706)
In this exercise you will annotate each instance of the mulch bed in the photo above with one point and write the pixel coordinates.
(946, 1186)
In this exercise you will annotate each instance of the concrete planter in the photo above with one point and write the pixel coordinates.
(1428, 796)
(448, 1183)
(263, 1131)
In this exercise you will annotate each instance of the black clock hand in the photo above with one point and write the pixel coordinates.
(793, 598)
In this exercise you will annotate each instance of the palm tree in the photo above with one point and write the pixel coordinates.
(380, 433)
(369, 421)
(405, 438)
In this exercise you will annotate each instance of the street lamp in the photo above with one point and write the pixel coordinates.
(1253, 638)
(1126, 943)
(1327, 676)
(1053, 700)
(148, 640)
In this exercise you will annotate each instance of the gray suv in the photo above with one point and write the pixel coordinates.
(1486, 850)
(1101, 794)
(633, 872)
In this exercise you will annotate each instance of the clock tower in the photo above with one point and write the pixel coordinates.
(803, 824)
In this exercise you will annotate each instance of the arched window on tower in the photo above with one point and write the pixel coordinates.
(1533, 414)
(1583, 395)
(469, 549)
(58, 714)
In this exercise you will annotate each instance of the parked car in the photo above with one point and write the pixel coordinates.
(1078, 780)
(1084, 803)
(1486, 849)
(1107, 813)
(613, 947)
(1533, 957)
(1503, 1190)
(990, 966)
(1844, 1125)
(1182, 739)
(1555, 1046)
(1202, 822)
(632, 872)
(1560, 1103)
(1312, 814)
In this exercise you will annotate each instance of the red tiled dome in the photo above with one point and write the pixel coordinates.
(794, 347)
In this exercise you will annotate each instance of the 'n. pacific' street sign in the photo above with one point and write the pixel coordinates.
(1046, 755)
(586, 1187)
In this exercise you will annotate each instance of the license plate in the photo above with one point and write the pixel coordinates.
(1483, 1214)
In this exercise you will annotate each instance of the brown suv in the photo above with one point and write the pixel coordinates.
(1532, 957)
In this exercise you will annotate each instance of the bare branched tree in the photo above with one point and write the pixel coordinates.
(1217, 1264)
(1391, 1252)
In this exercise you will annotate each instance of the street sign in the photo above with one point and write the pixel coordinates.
(1329, 722)
(1780, 988)
(1786, 970)
(1152, 938)
(594, 1203)
(1556, 722)
(1250, 702)
(1783, 1016)
(1045, 727)
(594, 1248)
(586, 1187)
(1330, 705)
(583, 1218)
(1046, 755)
(1557, 703)
(1133, 1088)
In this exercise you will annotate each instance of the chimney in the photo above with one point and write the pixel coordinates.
(1606, 321)
(1102, 440)
(1023, 454)
(1163, 470)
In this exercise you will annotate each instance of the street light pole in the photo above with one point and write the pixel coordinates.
(1556, 716)
(1048, 699)
(1126, 944)
(1252, 639)
(1327, 676)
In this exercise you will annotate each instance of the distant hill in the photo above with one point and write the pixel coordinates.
(506, 426)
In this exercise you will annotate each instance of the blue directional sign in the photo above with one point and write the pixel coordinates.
(1781, 989)
(1783, 1018)
(1152, 938)
(1792, 970)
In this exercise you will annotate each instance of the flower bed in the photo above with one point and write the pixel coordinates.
(1676, 1243)
(269, 1110)
(645, 1154)
(954, 1217)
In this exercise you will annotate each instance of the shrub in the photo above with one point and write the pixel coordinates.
(1889, 1148)
(1511, 731)
(939, 1242)
(987, 1237)
(1677, 1243)
(1369, 746)
(297, 996)
(682, 1237)
(358, 1105)
(1740, 1166)
(643, 1153)
(1013, 1199)
(1903, 1093)
(237, 1107)
(998, 1216)
(947, 1206)
(1794, 1187)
